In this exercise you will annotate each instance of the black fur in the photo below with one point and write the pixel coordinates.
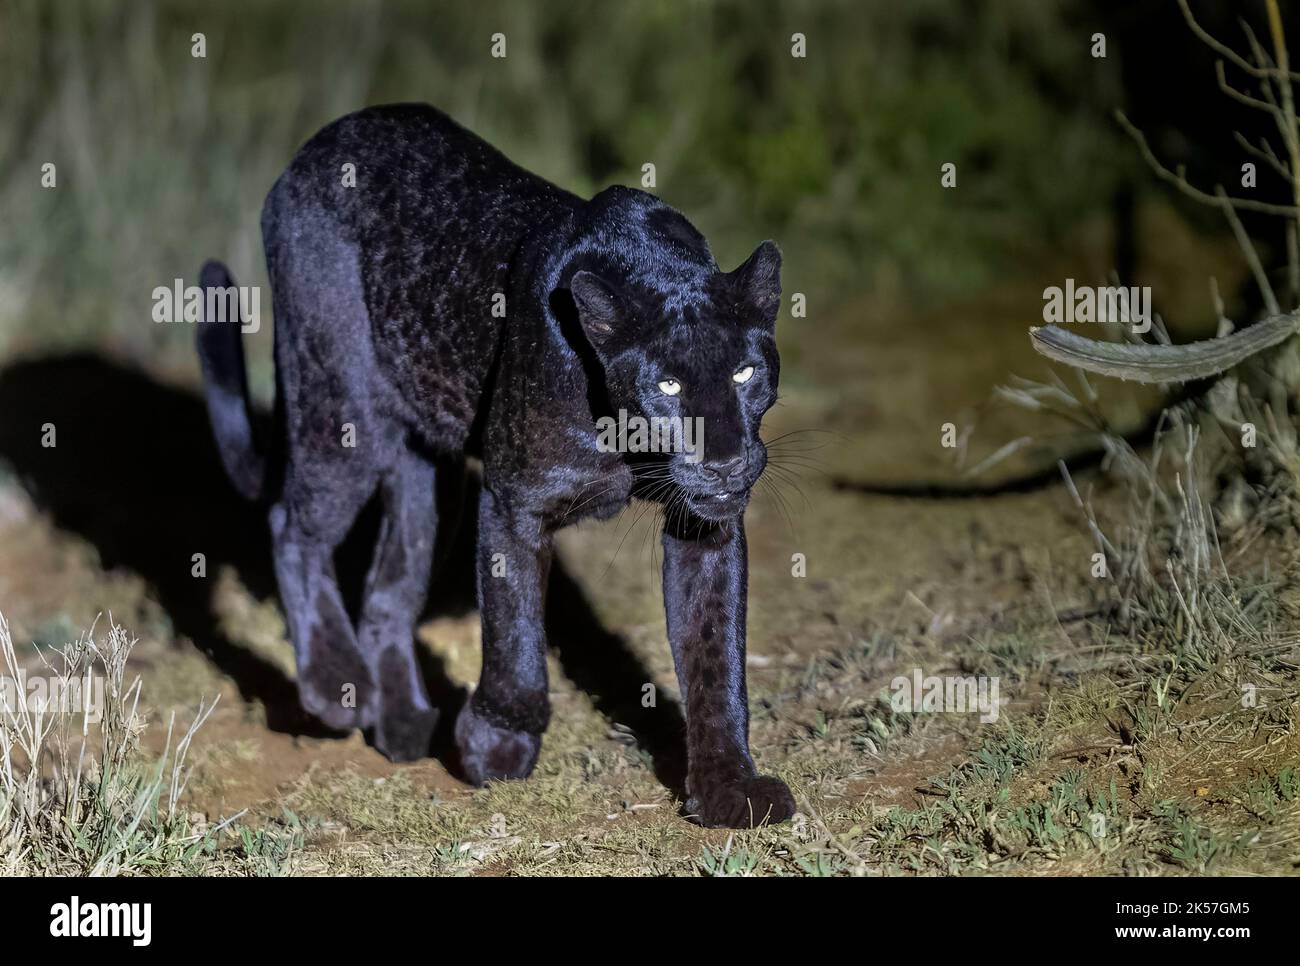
(225, 384)
(383, 298)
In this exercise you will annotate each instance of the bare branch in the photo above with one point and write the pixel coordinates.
(1223, 49)
(1240, 96)
(1179, 180)
(1266, 87)
(1248, 249)
(1264, 152)
(1293, 262)
(1226, 324)
(1288, 97)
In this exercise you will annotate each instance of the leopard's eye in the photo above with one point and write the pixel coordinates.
(742, 375)
(670, 387)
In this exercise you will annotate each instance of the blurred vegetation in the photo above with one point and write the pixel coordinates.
(164, 159)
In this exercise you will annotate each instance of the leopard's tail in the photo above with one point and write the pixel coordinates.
(225, 385)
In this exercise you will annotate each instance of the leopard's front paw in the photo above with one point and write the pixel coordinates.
(743, 803)
(489, 751)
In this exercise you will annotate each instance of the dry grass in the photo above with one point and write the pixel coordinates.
(77, 796)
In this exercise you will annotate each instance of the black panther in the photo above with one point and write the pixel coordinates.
(435, 302)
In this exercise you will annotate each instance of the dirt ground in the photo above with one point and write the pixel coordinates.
(898, 576)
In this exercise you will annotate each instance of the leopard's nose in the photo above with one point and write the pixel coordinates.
(722, 470)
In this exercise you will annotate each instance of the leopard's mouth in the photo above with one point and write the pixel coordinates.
(717, 504)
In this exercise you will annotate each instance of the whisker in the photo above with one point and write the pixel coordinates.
(772, 493)
(796, 441)
(628, 533)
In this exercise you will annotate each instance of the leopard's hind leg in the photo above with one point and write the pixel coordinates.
(403, 720)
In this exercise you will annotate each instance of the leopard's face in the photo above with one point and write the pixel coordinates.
(694, 374)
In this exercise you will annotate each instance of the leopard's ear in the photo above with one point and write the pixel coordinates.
(599, 307)
(757, 284)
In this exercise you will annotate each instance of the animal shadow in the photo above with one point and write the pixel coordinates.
(135, 472)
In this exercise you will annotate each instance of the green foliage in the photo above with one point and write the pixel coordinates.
(164, 159)
(730, 860)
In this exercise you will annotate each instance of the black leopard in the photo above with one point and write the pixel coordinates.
(433, 303)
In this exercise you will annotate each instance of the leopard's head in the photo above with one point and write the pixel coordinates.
(693, 347)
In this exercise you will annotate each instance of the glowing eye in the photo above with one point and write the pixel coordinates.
(670, 387)
(743, 375)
